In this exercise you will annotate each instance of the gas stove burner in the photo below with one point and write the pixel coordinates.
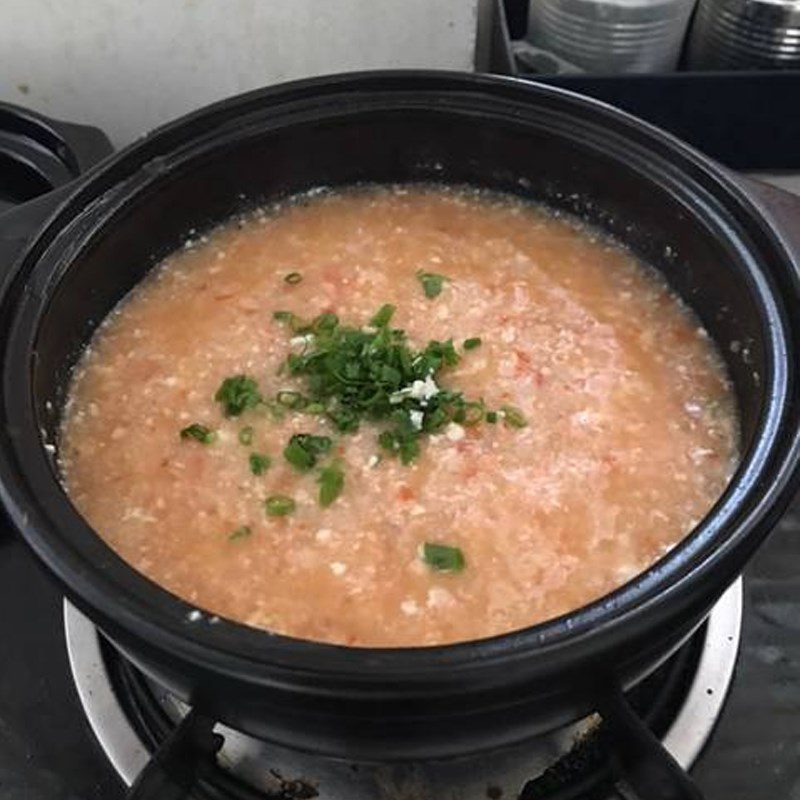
(131, 716)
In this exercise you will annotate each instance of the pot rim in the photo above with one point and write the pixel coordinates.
(127, 602)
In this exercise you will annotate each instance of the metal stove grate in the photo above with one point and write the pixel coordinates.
(132, 718)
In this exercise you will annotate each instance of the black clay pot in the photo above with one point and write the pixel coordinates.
(710, 235)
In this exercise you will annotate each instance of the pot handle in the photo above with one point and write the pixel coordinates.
(175, 767)
(780, 206)
(55, 151)
(18, 224)
(643, 765)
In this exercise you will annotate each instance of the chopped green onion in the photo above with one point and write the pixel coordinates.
(325, 322)
(345, 420)
(303, 450)
(297, 324)
(432, 283)
(279, 505)
(240, 533)
(442, 557)
(513, 417)
(435, 420)
(409, 448)
(473, 413)
(246, 435)
(291, 399)
(299, 457)
(383, 317)
(471, 344)
(491, 417)
(199, 433)
(259, 463)
(238, 393)
(439, 353)
(293, 278)
(316, 444)
(353, 374)
(405, 443)
(331, 483)
(277, 412)
(388, 440)
(449, 354)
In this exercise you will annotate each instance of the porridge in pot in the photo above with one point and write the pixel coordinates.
(397, 416)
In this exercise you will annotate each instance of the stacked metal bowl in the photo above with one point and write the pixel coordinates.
(745, 34)
(616, 36)
(611, 36)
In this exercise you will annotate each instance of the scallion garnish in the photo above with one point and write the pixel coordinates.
(445, 352)
(293, 321)
(409, 449)
(383, 317)
(293, 277)
(240, 533)
(474, 413)
(345, 420)
(513, 417)
(432, 283)
(442, 557)
(352, 374)
(279, 505)
(325, 322)
(259, 463)
(304, 449)
(299, 457)
(357, 373)
(276, 411)
(388, 441)
(401, 442)
(292, 400)
(331, 483)
(238, 393)
(199, 433)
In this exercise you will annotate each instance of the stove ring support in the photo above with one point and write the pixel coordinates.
(684, 739)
